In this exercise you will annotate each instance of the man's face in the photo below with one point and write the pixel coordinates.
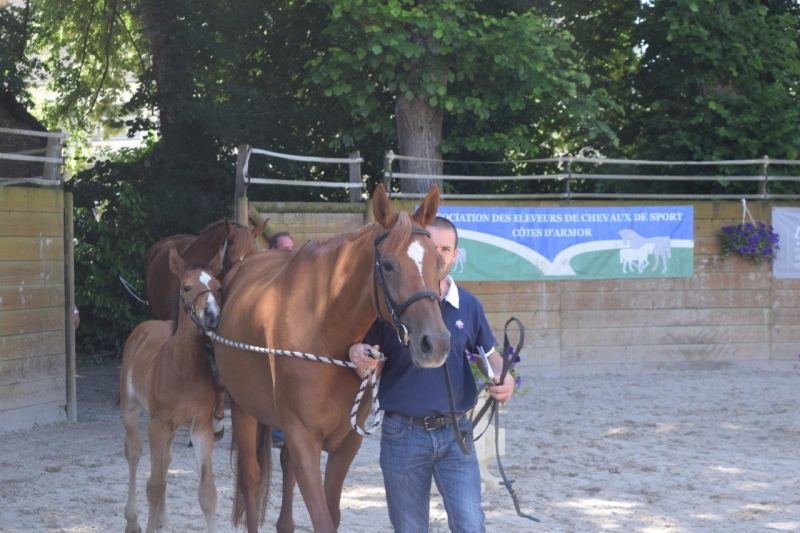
(285, 243)
(445, 242)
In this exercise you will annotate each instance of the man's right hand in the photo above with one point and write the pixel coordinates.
(359, 357)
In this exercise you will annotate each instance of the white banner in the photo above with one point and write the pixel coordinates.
(786, 222)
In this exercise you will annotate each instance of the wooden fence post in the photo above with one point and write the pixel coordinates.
(355, 177)
(240, 191)
(70, 308)
(52, 170)
(387, 169)
(762, 185)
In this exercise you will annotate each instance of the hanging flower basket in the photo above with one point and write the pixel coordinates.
(756, 242)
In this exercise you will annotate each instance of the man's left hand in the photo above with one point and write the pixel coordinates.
(502, 391)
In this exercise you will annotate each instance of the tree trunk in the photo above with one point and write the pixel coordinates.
(157, 17)
(419, 132)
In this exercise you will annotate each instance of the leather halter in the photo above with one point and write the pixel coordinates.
(396, 310)
(189, 308)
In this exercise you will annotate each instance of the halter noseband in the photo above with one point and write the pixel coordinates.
(187, 308)
(395, 309)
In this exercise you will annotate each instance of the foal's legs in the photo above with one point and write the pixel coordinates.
(160, 433)
(286, 519)
(336, 470)
(131, 410)
(203, 439)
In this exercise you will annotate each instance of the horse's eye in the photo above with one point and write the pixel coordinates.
(387, 266)
(187, 288)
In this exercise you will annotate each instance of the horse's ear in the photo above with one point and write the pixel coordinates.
(381, 209)
(215, 266)
(258, 230)
(176, 263)
(427, 211)
(228, 229)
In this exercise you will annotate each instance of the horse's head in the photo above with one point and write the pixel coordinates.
(240, 241)
(407, 268)
(200, 294)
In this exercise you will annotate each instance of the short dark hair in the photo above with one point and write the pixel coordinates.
(273, 241)
(444, 223)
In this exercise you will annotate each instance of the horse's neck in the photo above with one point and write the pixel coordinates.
(348, 267)
(187, 347)
(207, 241)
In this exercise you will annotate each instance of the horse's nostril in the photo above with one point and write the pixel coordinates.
(425, 344)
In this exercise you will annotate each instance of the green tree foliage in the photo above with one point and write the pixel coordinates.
(718, 80)
(507, 83)
(15, 64)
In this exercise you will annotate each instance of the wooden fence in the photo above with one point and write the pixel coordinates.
(37, 342)
(37, 350)
(729, 313)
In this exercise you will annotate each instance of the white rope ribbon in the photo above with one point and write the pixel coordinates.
(747, 211)
(369, 376)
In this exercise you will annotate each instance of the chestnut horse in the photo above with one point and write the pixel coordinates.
(162, 285)
(165, 371)
(320, 300)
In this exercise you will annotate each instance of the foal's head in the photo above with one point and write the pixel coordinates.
(411, 266)
(240, 241)
(200, 294)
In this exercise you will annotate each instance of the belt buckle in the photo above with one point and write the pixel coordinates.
(430, 423)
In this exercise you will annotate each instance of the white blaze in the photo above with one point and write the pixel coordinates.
(205, 277)
(416, 252)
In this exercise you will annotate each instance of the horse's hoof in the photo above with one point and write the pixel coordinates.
(133, 528)
(218, 435)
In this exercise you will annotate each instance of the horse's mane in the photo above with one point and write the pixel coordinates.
(400, 233)
(215, 225)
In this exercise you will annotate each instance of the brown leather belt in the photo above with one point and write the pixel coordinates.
(428, 423)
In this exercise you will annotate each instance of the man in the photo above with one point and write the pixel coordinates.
(281, 241)
(417, 441)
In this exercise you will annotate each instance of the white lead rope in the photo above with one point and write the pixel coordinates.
(369, 377)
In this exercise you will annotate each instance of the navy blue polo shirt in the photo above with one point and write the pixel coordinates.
(414, 391)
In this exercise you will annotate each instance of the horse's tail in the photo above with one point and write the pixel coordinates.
(263, 456)
(129, 288)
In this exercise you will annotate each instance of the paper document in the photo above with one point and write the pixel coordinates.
(489, 371)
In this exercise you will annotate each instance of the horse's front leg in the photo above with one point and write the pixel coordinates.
(203, 439)
(131, 410)
(248, 471)
(160, 435)
(336, 469)
(286, 519)
(305, 448)
(219, 409)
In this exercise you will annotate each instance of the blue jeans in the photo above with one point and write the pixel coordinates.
(410, 457)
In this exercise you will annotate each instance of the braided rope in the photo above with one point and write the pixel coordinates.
(369, 376)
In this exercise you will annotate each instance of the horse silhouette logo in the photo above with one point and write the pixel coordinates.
(460, 259)
(661, 250)
(629, 256)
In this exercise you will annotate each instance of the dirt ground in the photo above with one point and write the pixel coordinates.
(702, 451)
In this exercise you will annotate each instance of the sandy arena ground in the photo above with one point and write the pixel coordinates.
(703, 451)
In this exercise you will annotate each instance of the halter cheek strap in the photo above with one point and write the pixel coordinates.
(396, 310)
(189, 308)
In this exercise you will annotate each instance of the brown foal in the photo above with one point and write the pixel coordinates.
(165, 371)
(162, 286)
